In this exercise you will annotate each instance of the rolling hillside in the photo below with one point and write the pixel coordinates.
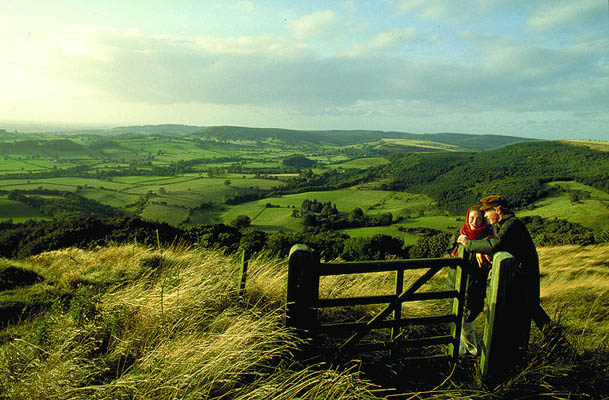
(458, 141)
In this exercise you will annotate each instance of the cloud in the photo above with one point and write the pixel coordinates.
(312, 25)
(244, 6)
(425, 8)
(573, 12)
(266, 70)
(269, 72)
(383, 42)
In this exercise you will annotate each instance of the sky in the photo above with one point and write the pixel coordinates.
(530, 68)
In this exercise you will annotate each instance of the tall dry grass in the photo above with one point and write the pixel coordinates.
(575, 290)
(147, 323)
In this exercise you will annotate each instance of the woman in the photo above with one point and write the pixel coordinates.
(475, 228)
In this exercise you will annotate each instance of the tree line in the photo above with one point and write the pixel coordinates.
(33, 237)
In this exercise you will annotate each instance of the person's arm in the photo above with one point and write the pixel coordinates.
(492, 244)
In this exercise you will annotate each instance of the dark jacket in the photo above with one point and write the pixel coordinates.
(512, 235)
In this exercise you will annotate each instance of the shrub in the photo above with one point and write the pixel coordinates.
(12, 277)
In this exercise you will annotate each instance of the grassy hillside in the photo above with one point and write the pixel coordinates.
(411, 207)
(592, 212)
(591, 144)
(137, 322)
(518, 172)
(17, 211)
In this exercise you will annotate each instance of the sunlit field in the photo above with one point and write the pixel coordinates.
(416, 211)
(593, 144)
(409, 239)
(361, 163)
(422, 143)
(592, 213)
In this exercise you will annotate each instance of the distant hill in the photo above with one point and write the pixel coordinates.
(473, 142)
(415, 142)
(518, 172)
(6, 135)
(389, 141)
(458, 141)
(50, 147)
(176, 130)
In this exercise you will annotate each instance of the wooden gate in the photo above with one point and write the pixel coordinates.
(303, 301)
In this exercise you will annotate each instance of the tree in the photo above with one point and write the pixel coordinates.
(306, 205)
(309, 219)
(242, 221)
(356, 215)
(326, 209)
(384, 219)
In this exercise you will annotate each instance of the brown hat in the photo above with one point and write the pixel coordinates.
(489, 202)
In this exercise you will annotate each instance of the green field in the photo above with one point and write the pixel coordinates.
(61, 183)
(17, 212)
(418, 211)
(169, 197)
(361, 163)
(109, 197)
(422, 143)
(198, 192)
(408, 238)
(592, 213)
(170, 214)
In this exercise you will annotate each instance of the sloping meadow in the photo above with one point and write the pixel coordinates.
(132, 321)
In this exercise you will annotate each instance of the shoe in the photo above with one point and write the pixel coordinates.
(468, 343)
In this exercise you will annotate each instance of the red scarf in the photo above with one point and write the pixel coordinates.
(474, 234)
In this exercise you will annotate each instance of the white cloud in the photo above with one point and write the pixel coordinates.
(277, 75)
(315, 24)
(244, 6)
(130, 66)
(571, 12)
(407, 6)
(390, 38)
(384, 41)
(425, 8)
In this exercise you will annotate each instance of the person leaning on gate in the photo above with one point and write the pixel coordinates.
(474, 228)
(512, 236)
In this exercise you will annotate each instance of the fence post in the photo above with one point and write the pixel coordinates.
(397, 313)
(303, 287)
(508, 324)
(458, 303)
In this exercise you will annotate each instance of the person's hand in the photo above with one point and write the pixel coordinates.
(462, 239)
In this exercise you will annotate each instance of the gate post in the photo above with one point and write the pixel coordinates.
(460, 283)
(508, 323)
(303, 287)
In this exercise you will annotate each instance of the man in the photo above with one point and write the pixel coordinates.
(512, 236)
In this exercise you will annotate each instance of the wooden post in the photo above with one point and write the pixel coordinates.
(460, 284)
(244, 264)
(457, 310)
(303, 287)
(508, 324)
(397, 313)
